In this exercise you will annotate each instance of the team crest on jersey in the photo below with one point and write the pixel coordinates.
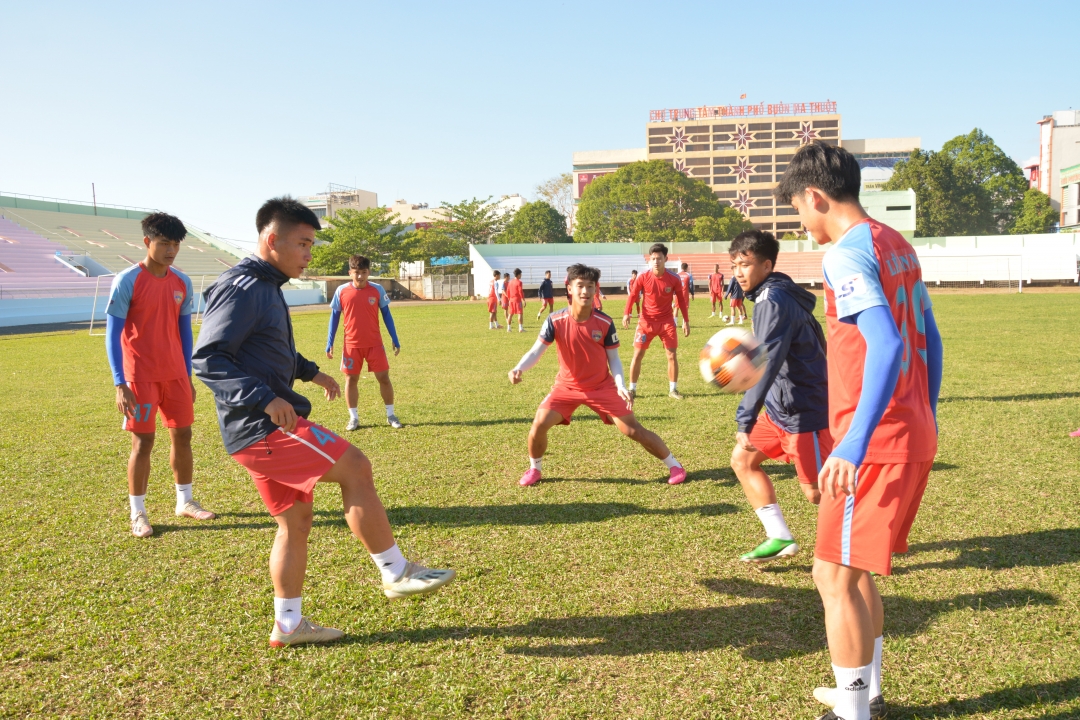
(371, 301)
(178, 296)
(851, 286)
(667, 289)
(597, 336)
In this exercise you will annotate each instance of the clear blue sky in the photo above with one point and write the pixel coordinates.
(207, 109)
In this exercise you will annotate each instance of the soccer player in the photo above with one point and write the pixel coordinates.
(148, 342)
(500, 290)
(515, 295)
(689, 280)
(885, 363)
(598, 297)
(629, 284)
(735, 300)
(794, 391)
(590, 374)
(246, 356)
(493, 303)
(658, 286)
(360, 303)
(716, 291)
(688, 287)
(546, 293)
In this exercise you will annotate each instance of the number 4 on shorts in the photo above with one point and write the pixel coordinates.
(323, 435)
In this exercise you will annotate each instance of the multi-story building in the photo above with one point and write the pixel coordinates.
(339, 197)
(878, 157)
(1069, 182)
(1059, 147)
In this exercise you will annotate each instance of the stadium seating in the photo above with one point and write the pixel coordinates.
(115, 243)
(28, 264)
(803, 267)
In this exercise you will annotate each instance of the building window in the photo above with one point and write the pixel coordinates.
(765, 212)
(788, 226)
(760, 193)
(787, 126)
(763, 201)
(787, 144)
(758, 145)
(784, 158)
(697, 161)
(698, 129)
(697, 148)
(829, 141)
(724, 146)
(760, 178)
(760, 126)
(761, 158)
(699, 171)
(661, 148)
(786, 210)
(660, 131)
(657, 140)
(724, 179)
(726, 160)
(890, 208)
(781, 168)
(763, 226)
(700, 138)
(723, 128)
(723, 194)
(825, 124)
(828, 133)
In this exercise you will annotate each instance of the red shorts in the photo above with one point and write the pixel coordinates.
(492, 304)
(605, 401)
(807, 451)
(504, 302)
(548, 302)
(171, 399)
(716, 297)
(864, 530)
(352, 360)
(664, 329)
(514, 308)
(286, 466)
(736, 302)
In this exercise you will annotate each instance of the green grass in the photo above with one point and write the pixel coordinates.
(602, 592)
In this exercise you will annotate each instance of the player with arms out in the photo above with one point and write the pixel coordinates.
(885, 364)
(493, 303)
(247, 357)
(659, 285)
(361, 302)
(794, 391)
(735, 300)
(590, 374)
(546, 293)
(148, 342)
(515, 295)
(716, 291)
(636, 298)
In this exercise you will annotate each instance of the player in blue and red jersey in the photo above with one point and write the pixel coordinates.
(590, 374)
(493, 303)
(885, 365)
(360, 303)
(515, 297)
(659, 285)
(148, 340)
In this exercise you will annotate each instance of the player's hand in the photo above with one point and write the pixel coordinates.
(686, 328)
(330, 354)
(397, 349)
(625, 395)
(837, 475)
(125, 400)
(282, 414)
(743, 441)
(626, 322)
(329, 385)
(515, 376)
(192, 382)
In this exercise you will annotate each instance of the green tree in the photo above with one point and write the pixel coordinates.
(723, 228)
(377, 233)
(536, 222)
(646, 201)
(977, 154)
(948, 200)
(1036, 214)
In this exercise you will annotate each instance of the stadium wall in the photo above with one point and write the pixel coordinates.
(56, 206)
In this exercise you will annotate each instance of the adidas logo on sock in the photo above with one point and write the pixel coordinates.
(857, 686)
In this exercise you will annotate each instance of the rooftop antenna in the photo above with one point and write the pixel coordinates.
(93, 191)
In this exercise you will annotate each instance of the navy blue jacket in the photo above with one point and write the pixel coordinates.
(734, 289)
(246, 354)
(795, 388)
(545, 290)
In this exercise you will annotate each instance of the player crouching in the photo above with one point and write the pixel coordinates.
(590, 374)
(794, 391)
(246, 356)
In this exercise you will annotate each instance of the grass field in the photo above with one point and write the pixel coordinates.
(601, 592)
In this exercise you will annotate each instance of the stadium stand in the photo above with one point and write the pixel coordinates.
(28, 262)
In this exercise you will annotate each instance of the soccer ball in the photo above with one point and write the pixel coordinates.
(733, 360)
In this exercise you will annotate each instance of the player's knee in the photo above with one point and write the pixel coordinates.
(741, 461)
(811, 492)
(181, 436)
(142, 443)
(356, 468)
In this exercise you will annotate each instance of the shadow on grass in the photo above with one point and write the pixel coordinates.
(1017, 698)
(723, 475)
(471, 423)
(1034, 549)
(1030, 397)
(785, 622)
(539, 513)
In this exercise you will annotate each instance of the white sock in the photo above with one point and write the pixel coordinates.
(772, 517)
(389, 410)
(875, 671)
(287, 613)
(491, 325)
(632, 386)
(534, 463)
(520, 327)
(852, 692)
(354, 414)
(671, 462)
(672, 386)
(183, 495)
(391, 563)
(138, 504)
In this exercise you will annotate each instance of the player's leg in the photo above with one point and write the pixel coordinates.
(386, 389)
(544, 420)
(183, 464)
(352, 400)
(138, 473)
(673, 373)
(760, 492)
(850, 630)
(630, 427)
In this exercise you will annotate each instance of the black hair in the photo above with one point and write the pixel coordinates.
(633, 272)
(762, 244)
(547, 272)
(833, 170)
(359, 262)
(286, 212)
(685, 266)
(497, 273)
(658, 248)
(517, 272)
(584, 272)
(163, 225)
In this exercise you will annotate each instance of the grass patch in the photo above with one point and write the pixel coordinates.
(601, 592)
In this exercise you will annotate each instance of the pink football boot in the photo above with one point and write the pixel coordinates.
(678, 474)
(1075, 434)
(530, 478)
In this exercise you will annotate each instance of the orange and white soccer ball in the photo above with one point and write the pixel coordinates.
(733, 360)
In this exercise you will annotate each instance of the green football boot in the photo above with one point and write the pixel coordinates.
(771, 549)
